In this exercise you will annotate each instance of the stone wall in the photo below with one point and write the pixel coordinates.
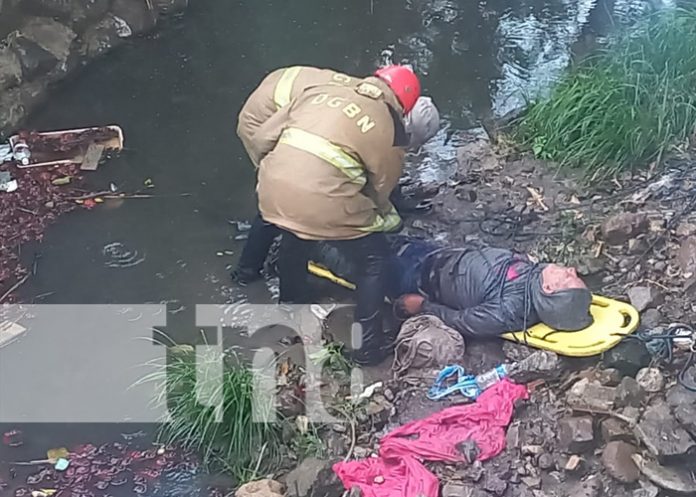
(42, 41)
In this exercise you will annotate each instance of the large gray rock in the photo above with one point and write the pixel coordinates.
(541, 365)
(74, 13)
(645, 297)
(476, 152)
(591, 396)
(16, 103)
(52, 36)
(576, 434)
(675, 479)
(105, 35)
(299, 482)
(136, 13)
(617, 459)
(629, 393)
(10, 69)
(34, 59)
(620, 228)
(628, 357)
(663, 436)
(495, 485)
(686, 258)
(651, 319)
(614, 429)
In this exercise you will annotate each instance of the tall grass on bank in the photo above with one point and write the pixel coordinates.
(231, 441)
(626, 106)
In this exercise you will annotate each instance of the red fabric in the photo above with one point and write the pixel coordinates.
(434, 438)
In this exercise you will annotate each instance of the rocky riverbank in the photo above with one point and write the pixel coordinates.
(617, 425)
(44, 41)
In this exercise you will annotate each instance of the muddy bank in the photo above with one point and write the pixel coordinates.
(43, 41)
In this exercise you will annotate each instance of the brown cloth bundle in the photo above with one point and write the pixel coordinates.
(425, 344)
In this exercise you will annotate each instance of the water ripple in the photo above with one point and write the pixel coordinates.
(118, 255)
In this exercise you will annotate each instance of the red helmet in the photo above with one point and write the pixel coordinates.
(403, 82)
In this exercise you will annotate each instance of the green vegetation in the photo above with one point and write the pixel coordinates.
(229, 440)
(308, 444)
(623, 107)
(331, 357)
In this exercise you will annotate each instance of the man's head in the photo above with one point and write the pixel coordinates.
(561, 299)
(403, 82)
(555, 277)
(422, 123)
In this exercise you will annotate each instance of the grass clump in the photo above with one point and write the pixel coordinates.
(226, 437)
(623, 107)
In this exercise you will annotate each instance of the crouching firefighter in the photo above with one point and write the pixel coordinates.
(328, 163)
(277, 90)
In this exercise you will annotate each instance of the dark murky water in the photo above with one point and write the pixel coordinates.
(177, 95)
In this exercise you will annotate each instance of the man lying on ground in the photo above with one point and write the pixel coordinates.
(478, 290)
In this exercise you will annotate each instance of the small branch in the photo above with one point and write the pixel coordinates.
(111, 195)
(13, 288)
(90, 195)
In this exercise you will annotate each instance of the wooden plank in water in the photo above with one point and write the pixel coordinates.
(92, 157)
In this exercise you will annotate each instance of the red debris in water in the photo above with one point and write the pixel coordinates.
(97, 471)
(12, 438)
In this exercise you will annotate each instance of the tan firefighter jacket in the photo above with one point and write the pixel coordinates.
(327, 161)
(277, 90)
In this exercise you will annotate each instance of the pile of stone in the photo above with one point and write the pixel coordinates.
(42, 41)
(642, 428)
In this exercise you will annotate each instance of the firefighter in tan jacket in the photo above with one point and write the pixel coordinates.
(328, 162)
(277, 90)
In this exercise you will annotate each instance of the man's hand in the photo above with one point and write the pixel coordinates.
(410, 305)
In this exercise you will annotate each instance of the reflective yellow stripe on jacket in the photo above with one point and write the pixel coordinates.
(389, 222)
(324, 149)
(283, 90)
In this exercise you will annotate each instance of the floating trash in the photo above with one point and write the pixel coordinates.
(117, 255)
(96, 471)
(13, 438)
(241, 226)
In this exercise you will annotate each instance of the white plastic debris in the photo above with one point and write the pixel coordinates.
(10, 186)
(6, 153)
(369, 391)
(321, 313)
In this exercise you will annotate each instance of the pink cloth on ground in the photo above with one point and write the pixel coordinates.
(434, 438)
